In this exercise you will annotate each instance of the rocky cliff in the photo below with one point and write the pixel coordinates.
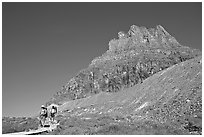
(131, 58)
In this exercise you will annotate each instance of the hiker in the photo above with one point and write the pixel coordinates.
(43, 115)
(53, 112)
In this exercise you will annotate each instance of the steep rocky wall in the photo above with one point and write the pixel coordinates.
(131, 58)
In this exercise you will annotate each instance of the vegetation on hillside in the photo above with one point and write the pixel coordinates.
(18, 124)
(175, 107)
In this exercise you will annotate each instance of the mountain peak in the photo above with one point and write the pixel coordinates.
(142, 37)
(138, 54)
(138, 39)
(150, 32)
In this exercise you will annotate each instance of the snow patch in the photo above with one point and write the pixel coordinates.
(142, 106)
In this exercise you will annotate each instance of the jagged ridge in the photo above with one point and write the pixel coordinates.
(130, 59)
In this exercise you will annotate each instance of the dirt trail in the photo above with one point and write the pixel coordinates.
(38, 131)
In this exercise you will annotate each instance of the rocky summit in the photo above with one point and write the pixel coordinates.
(131, 58)
(145, 83)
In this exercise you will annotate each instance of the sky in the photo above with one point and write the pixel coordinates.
(46, 44)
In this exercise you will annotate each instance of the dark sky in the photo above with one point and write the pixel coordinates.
(45, 44)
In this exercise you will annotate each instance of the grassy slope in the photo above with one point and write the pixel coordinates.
(174, 107)
(11, 125)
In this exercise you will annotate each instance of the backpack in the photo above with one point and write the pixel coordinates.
(54, 110)
(43, 112)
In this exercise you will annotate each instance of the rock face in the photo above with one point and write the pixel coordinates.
(131, 58)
